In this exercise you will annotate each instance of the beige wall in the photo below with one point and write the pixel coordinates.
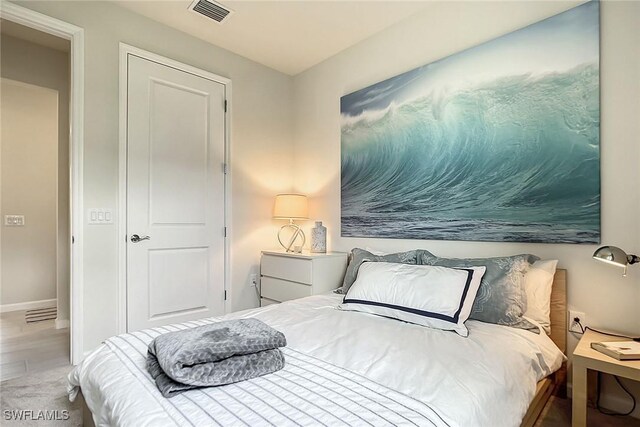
(262, 123)
(609, 300)
(29, 178)
(273, 113)
(42, 66)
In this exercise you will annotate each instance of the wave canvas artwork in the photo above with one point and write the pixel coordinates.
(499, 142)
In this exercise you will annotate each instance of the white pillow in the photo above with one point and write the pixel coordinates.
(438, 297)
(537, 284)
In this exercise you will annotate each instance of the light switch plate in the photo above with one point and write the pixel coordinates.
(14, 220)
(100, 216)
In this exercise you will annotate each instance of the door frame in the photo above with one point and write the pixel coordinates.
(75, 35)
(125, 51)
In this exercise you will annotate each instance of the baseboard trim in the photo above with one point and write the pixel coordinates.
(62, 323)
(29, 305)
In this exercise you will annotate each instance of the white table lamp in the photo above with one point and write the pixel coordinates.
(291, 207)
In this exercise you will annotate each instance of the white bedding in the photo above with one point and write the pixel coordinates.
(382, 372)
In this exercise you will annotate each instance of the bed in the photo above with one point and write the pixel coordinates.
(346, 368)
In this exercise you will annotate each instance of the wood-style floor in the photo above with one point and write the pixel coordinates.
(30, 347)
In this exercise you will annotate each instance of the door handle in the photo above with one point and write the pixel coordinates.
(135, 238)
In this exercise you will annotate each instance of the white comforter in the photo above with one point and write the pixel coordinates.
(405, 373)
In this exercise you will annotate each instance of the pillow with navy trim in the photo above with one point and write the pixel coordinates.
(437, 297)
(501, 298)
(360, 256)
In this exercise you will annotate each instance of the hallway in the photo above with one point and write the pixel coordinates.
(30, 347)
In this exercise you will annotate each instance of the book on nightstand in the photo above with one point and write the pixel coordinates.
(621, 350)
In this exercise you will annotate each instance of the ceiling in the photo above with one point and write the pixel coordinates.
(289, 36)
(18, 31)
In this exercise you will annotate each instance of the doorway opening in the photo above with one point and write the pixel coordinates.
(12, 13)
(35, 201)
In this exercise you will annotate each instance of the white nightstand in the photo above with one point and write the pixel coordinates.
(585, 358)
(285, 276)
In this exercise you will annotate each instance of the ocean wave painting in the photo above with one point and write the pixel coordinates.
(500, 142)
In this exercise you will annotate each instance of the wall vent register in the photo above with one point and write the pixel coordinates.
(212, 10)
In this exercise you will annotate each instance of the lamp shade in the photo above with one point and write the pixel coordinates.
(611, 255)
(615, 256)
(291, 206)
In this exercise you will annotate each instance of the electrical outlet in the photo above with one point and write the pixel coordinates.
(573, 325)
(253, 280)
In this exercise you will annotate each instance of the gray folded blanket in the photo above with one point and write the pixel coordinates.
(221, 353)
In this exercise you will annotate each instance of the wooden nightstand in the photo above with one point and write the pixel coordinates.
(285, 276)
(585, 358)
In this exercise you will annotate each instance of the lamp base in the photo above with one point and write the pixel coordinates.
(295, 236)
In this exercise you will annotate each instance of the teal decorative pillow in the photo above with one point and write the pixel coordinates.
(359, 256)
(502, 298)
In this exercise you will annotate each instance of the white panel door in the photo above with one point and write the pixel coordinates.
(175, 195)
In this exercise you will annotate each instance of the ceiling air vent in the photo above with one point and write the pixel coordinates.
(210, 9)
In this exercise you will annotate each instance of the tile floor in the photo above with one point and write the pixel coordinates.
(30, 347)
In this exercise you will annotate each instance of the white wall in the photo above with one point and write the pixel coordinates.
(610, 301)
(261, 166)
(42, 66)
(29, 144)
